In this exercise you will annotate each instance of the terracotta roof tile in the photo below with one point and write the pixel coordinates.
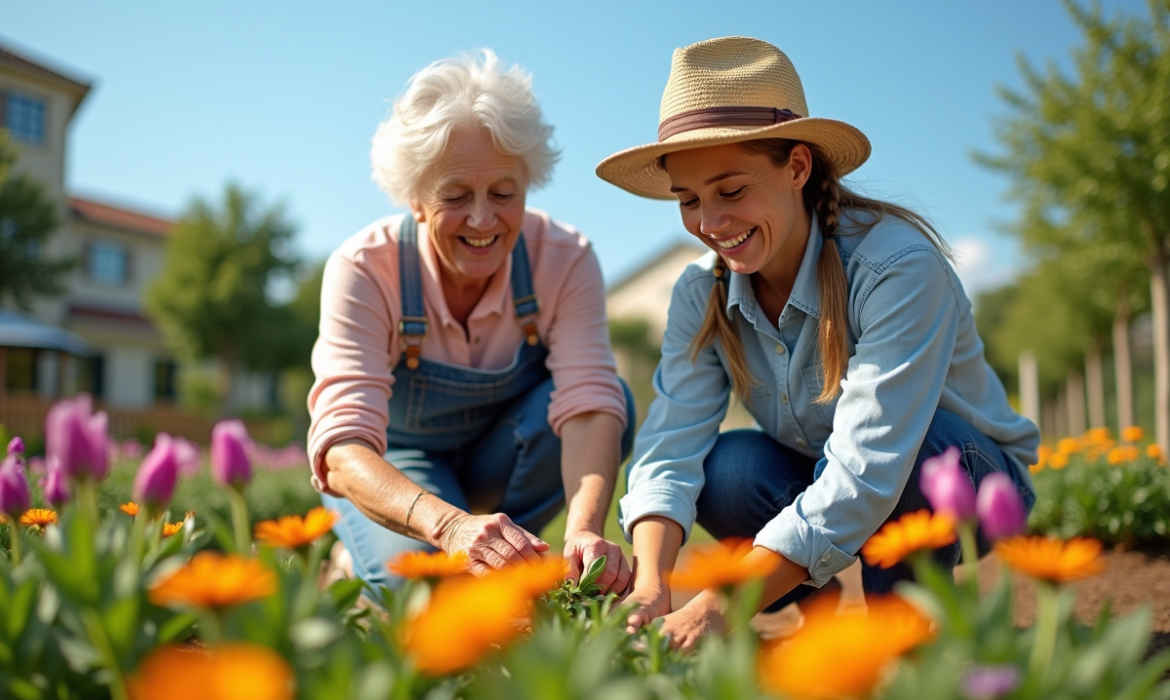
(116, 217)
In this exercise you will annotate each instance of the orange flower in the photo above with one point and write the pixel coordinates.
(231, 672)
(39, 517)
(910, 533)
(837, 656)
(211, 580)
(1154, 452)
(1069, 446)
(129, 508)
(171, 528)
(294, 531)
(1133, 433)
(1058, 461)
(1051, 559)
(465, 618)
(417, 565)
(1123, 454)
(534, 580)
(720, 565)
(1097, 436)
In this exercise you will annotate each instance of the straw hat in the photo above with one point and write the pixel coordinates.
(724, 91)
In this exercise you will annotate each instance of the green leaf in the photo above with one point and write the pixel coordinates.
(345, 593)
(176, 628)
(595, 570)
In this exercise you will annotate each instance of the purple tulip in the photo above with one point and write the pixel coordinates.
(947, 485)
(14, 496)
(16, 446)
(77, 438)
(229, 457)
(990, 682)
(1000, 508)
(56, 489)
(155, 483)
(187, 455)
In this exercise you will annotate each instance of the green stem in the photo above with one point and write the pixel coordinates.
(87, 500)
(240, 524)
(1047, 619)
(14, 539)
(970, 557)
(210, 627)
(97, 635)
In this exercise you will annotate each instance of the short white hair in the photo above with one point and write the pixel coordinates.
(465, 92)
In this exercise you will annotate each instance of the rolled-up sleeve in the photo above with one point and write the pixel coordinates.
(682, 424)
(351, 361)
(580, 359)
(908, 322)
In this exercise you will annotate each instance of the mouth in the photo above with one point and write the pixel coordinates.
(479, 242)
(730, 244)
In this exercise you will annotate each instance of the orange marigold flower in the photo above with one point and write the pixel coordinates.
(846, 655)
(534, 580)
(1052, 559)
(418, 565)
(231, 672)
(1153, 451)
(1097, 436)
(720, 565)
(1058, 461)
(465, 618)
(294, 531)
(1123, 454)
(1069, 446)
(171, 528)
(129, 508)
(211, 580)
(39, 517)
(1133, 433)
(910, 533)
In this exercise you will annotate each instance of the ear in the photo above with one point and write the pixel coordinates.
(416, 209)
(801, 160)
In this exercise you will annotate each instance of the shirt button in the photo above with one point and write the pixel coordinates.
(784, 399)
(800, 441)
(780, 349)
(825, 559)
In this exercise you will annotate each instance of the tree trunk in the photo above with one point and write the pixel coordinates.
(1030, 387)
(1122, 365)
(1062, 413)
(1161, 311)
(1075, 402)
(1048, 419)
(1095, 381)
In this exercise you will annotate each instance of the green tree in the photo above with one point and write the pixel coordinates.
(211, 297)
(27, 220)
(1089, 155)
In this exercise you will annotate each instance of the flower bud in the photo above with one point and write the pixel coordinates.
(16, 446)
(56, 489)
(14, 496)
(1000, 508)
(947, 486)
(155, 483)
(77, 438)
(229, 459)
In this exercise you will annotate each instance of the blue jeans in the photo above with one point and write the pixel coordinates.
(739, 496)
(514, 469)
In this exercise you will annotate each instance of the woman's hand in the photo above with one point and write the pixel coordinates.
(687, 625)
(653, 601)
(582, 548)
(490, 541)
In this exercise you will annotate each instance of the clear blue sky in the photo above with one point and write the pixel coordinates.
(283, 97)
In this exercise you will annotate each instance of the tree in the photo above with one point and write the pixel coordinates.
(27, 220)
(1090, 156)
(211, 297)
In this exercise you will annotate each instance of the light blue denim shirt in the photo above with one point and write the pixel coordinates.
(914, 348)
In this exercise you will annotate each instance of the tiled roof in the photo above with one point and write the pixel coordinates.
(116, 217)
(7, 56)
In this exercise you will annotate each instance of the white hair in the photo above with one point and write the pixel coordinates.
(466, 92)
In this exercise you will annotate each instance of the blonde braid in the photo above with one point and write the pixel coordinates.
(716, 325)
(832, 331)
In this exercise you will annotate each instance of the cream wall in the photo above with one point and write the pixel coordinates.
(646, 293)
(45, 162)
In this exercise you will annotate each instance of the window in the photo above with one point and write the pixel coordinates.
(108, 263)
(164, 379)
(25, 117)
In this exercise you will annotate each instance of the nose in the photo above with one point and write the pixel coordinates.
(712, 220)
(482, 216)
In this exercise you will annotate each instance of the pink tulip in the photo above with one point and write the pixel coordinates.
(947, 486)
(155, 483)
(229, 457)
(56, 490)
(187, 455)
(16, 446)
(77, 438)
(1000, 508)
(14, 496)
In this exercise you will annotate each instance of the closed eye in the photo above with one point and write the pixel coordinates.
(734, 193)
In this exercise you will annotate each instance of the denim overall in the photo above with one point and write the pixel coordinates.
(478, 439)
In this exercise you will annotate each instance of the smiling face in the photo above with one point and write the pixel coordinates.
(473, 204)
(744, 206)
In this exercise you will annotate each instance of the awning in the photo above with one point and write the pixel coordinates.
(20, 331)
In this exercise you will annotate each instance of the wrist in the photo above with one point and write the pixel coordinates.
(442, 527)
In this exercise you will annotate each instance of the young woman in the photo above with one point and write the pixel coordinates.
(835, 318)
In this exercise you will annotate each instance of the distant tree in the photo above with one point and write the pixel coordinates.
(27, 220)
(1090, 157)
(639, 357)
(211, 297)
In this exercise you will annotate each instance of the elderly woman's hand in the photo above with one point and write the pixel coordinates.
(582, 548)
(490, 542)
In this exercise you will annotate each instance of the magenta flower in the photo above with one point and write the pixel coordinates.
(155, 483)
(16, 446)
(56, 489)
(76, 437)
(14, 495)
(947, 486)
(990, 682)
(229, 457)
(187, 455)
(1000, 508)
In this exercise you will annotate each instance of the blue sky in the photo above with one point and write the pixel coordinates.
(283, 98)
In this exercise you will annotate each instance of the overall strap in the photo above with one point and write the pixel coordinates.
(412, 328)
(523, 297)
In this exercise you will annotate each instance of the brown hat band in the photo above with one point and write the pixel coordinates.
(723, 116)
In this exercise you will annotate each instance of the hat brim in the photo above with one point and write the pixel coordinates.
(636, 169)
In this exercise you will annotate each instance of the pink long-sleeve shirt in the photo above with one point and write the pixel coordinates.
(359, 347)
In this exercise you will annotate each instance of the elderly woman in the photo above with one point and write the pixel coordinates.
(465, 388)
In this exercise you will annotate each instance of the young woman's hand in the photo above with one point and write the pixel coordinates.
(490, 541)
(702, 616)
(653, 601)
(582, 548)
